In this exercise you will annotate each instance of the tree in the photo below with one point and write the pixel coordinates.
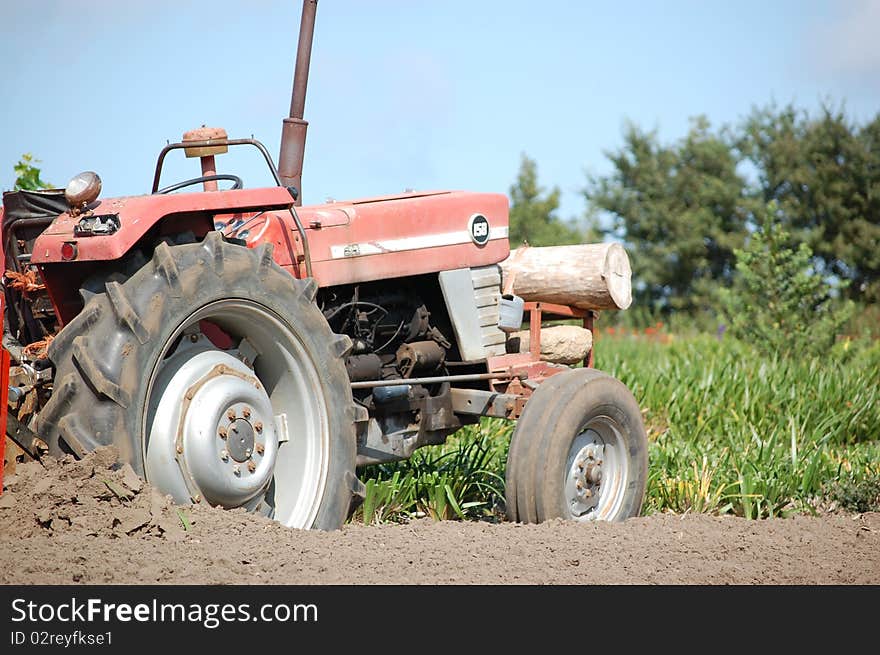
(778, 302)
(28, 175)
(533, 214)
(824, 175)
(680, 209)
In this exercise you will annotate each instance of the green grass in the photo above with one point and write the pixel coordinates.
(463, 479)
(730, 433)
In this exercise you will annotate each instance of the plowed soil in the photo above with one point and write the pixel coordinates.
(94, 522)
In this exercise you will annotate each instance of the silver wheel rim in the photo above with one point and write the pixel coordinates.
(244, 426)
(596, 472)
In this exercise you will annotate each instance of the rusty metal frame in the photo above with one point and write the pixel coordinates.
(484, 403)
(537, 311)
(397, 382)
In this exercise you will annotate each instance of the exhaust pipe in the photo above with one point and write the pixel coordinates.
(293, 131)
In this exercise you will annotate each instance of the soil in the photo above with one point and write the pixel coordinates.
(95, 522)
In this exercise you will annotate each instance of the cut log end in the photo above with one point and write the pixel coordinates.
(586, 276)
(618, 276)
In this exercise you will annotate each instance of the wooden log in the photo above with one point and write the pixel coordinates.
(560, 344)
(588, 276)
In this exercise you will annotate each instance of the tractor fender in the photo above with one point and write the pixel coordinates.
(137, 214)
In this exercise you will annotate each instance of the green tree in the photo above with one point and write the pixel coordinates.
(824, 175)
(28, 175)
(681, 209)
(778, 301)
(533, 213)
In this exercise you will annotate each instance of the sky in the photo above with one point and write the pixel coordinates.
(410, 94)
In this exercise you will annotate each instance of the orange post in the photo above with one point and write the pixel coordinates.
(4, 407)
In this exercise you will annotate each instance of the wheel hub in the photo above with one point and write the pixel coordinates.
(219, 421)
(585, 478)
(240, 439)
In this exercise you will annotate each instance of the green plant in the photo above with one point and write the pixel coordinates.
(777, 301)
(735, 432)
(387, 498)
(462, 479)
(27, 176)
(862, 495)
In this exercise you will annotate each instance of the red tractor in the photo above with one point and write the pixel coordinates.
(241, 350)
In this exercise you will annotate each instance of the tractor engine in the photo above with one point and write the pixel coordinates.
(399, 332)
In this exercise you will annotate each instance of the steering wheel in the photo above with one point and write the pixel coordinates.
(235, 179)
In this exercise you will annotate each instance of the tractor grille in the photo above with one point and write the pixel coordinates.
(487, 292)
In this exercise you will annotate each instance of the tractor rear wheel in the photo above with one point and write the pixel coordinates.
(217, 377)
(579, 452)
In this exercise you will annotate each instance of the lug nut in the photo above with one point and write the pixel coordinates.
(224, 455)
(579, 485)
(222, 432)
(260, 448)
(236, 469)
(230, 414)
(246, 412)
(581, 465)
(258, 426)
(588, 493)
(180, 450)
(251, 466)
(193, 337)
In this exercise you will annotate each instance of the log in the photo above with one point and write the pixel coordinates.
(588, 276)
(560, 344)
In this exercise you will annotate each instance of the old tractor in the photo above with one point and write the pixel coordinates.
(242, 350)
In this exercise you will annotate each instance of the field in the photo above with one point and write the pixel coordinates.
(89, 522)
(733, 438)
(730, 432)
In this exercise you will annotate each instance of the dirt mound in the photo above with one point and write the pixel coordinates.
(96, 496)
(94, 521)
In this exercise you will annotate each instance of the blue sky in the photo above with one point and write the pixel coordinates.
(410, 94)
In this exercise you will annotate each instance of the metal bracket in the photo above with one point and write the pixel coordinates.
(486, 403)
(25, 438)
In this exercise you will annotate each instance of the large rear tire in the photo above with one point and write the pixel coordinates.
(579, 452)
(216, 376)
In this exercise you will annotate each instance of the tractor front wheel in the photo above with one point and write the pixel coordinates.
(579, 452)
(216, 376)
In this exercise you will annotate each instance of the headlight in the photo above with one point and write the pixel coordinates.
(82, 190)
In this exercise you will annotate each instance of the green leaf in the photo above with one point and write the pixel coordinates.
(184, 521)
